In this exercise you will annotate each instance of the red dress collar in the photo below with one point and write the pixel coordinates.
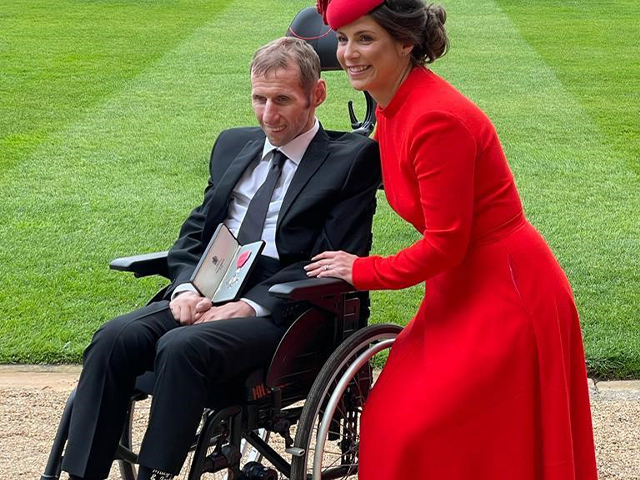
(416, 75)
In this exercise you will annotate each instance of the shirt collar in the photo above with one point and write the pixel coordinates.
(296, 148)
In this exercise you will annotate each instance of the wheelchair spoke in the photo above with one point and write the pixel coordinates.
(333, 466)
(340, 454)
(335, 405)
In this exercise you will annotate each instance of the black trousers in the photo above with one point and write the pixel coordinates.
(188, 361)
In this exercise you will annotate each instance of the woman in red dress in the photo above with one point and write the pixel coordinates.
(488, 380)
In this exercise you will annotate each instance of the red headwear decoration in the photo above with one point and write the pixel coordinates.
(337, 13)
(322, 5)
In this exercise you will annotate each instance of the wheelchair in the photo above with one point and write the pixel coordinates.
(299, 418)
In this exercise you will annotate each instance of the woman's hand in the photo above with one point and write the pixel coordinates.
(332, 264)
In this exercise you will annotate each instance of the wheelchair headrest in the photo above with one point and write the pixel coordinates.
(308, 26)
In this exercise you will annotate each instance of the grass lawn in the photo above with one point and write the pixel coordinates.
(108, 110)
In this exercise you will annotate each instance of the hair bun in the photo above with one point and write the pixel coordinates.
(413, 22)
(436, 42)
(435, 13)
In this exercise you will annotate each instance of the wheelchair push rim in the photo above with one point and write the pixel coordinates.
(332, 411)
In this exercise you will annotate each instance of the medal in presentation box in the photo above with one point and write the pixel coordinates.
(225, 266)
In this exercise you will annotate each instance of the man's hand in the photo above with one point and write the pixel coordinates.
(237, 309)
(187, 305)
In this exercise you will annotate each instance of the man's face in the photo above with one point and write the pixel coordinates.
(283, 109)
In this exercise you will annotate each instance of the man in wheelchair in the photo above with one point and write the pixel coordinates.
(317, 192)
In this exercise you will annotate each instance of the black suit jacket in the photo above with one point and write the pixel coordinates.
(329, 206)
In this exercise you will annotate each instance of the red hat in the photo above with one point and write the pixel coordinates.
(337, 13)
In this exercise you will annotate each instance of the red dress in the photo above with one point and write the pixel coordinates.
(488, 380)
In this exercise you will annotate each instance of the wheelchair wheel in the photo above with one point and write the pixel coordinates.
(328, 434)
(131, 439)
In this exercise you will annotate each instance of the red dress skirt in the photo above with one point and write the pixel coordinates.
(489, 388)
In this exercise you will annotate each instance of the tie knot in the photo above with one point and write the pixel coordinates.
(278, 159)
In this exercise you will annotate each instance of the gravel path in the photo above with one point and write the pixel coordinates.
(31, 403)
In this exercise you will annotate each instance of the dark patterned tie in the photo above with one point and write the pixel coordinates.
(253, 223)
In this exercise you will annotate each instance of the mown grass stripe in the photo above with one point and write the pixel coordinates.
(59, 58)
(594, 51)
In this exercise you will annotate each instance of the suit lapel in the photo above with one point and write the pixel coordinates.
(222, 195)
(314, 157)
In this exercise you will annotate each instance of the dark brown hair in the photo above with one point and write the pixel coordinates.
(413, 22)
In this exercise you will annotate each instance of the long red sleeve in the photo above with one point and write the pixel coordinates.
(442, 167)
(442, 155)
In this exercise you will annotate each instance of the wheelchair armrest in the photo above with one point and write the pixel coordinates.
(143, 265)
(311, 288)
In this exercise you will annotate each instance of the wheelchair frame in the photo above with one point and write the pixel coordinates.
(234, 434)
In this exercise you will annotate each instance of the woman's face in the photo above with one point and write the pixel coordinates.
(373, 60)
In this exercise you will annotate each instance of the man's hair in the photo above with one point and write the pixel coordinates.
(282, 53)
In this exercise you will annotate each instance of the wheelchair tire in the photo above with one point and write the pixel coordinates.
(338, 393)
(131, 437)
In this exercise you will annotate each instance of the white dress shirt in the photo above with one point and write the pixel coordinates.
(248, 185)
